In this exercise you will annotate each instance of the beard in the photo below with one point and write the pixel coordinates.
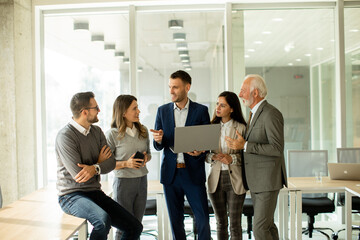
(92, 119)
(178, 98)
(248, 102)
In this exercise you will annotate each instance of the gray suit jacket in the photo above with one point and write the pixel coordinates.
(264, 156)
(234, 169)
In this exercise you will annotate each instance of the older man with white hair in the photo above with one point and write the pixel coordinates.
(264, 163)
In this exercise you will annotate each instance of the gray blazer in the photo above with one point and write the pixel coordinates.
(264, 156)
(234, 169)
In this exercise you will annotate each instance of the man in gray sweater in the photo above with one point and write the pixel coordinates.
(82, 154)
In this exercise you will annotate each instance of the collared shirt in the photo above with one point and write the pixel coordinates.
(180, 116)
(225, 130)
(253, 110)
(80, 128)
(131, 131)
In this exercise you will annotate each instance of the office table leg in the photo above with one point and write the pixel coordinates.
(284, 214)
(164, 230)
(298, 215)
(348, 207)
(83, 231)
(292, 215)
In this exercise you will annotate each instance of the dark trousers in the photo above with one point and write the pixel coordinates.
(197, 198)
(224, 200)
(102, 212)
(264, 209)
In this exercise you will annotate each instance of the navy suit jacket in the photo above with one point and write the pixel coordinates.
(197, 115)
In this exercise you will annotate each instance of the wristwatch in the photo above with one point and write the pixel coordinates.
(97, 169)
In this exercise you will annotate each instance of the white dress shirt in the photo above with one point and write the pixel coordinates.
(80, 128)
(180, 116)
(131, 131)
(225, 130)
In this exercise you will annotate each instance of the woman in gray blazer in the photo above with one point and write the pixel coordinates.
(225, 186)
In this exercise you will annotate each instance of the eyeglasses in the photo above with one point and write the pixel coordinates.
(96, 107)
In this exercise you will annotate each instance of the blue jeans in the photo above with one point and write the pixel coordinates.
(102, 212)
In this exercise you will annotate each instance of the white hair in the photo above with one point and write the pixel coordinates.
(257, 82)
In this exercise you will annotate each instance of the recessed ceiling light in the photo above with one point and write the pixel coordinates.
(98, 40)
(251, 50)
(139, 69)
(185, 59)
(289, 46)
(246, 56)
(332, 40)
(183, 53)
(258, 42)
(109, 46)
(176, 24)
(81, 26)
(353, 30)
(266, 32)
(277, 19)
(188, 68)
(320, 48)
(126, 60)
(119, 54)
(181, 46)
(308, 54)
(97, 37)
(290, 64)
(298, 60)
(179, 37)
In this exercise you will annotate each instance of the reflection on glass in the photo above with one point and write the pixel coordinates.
(75, 62)
(352, 71)
(288, 48)
(200, 53)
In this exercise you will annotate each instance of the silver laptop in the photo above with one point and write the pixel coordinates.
(199, 138)
(344, 171)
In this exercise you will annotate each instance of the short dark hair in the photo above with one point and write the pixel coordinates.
(80, 101)
(184, 76)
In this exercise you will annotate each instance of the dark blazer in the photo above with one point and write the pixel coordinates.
(264, 156)
(197, 115)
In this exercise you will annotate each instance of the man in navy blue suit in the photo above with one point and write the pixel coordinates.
(182, 174)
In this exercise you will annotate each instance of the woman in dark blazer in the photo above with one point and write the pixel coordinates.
(225, 186)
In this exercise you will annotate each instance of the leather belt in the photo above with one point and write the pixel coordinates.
(180, 165)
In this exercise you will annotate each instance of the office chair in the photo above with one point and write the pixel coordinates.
(304, 163)
(188, 211)
(248, 211)
(150, 210)
(348, 155)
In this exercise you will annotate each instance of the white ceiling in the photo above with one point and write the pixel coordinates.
(300, 32)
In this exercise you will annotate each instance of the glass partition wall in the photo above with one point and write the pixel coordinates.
(91, 52)
(281, 46)
(79, 57)
(292, 47)
(352, 67)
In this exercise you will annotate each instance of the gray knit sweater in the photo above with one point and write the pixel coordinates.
(124, 148)
(71, 148)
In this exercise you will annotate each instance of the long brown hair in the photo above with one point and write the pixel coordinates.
(121, 104)
(233, 101)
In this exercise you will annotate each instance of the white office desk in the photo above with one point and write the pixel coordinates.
(299, 185)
